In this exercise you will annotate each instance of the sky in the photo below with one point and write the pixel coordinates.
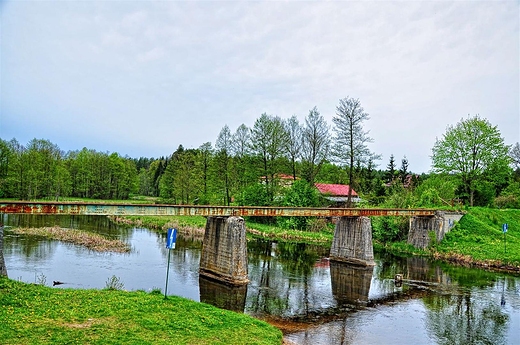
(141, 78)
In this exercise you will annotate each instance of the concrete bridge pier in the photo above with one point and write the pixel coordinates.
(426, 229)
(224, 250)
(352, 241)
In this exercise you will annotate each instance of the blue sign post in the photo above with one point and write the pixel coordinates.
(171, 237)
(504, 230)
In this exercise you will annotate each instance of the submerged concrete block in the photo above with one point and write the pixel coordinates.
(352, 241)
(224, 250)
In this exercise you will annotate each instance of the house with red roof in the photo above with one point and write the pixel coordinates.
(337, 193)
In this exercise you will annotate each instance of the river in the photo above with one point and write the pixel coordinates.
(294, 286)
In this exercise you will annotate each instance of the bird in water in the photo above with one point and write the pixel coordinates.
(57, 282)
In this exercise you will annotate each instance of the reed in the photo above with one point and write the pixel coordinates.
(83, 238)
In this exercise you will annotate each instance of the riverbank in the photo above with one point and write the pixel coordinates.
(35, 314)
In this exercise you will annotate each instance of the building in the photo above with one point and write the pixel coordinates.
(337, 193)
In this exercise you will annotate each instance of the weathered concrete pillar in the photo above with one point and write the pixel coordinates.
(222, 295)
(224, 250)
(352, 241)
(425, 229)
(3, 269)
(350, 283)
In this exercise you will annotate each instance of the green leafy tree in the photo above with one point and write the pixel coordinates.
(267, 144)
(224, 162)
(5, 153)
(301, 194)
(468, 150)
(206, 157)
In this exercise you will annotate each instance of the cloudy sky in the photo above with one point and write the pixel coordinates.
(141, 77)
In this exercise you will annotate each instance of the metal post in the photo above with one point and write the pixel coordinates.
(167, 273)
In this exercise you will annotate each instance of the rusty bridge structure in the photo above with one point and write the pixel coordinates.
(224, 249)
(119, 209)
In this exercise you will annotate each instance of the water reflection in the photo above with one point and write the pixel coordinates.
(222, 295)
(350, 283)
(315, 301)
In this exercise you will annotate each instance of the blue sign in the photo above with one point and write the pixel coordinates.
(504, 228)
(171, 237)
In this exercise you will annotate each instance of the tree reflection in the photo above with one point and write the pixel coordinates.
(464, 319)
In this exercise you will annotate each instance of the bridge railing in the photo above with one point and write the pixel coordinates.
(80, 208)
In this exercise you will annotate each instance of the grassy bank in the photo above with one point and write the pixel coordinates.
(476, 240)
(34, 314)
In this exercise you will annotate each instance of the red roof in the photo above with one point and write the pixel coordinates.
(334, 189)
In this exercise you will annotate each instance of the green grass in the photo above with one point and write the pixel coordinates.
(276, 233)
(34, 314)
(164, 222)
(478, 237)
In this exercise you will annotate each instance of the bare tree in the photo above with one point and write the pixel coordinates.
(294, 142)
(240, 141)
(351, 140)
(316, 144)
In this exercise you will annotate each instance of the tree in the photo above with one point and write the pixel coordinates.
(5, 153)
(294, 142)
(3, 269)
(390, 169)
(351, 140)
(316, 145)
(469, 150)
(267, 142)
(240, 148)
(206, 156)
(403, 170)
(223, 160)
(515, 155)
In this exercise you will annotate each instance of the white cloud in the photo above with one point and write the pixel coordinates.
(182, 70)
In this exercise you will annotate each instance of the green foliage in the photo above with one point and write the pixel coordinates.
(300, 194)
(114, 283)
(33, 314)
(479, 236)
(254, 195)
(389, 229)
(509, 197)
(474, 151)
(436, 191)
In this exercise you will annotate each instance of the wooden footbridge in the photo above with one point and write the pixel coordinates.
(224, 251)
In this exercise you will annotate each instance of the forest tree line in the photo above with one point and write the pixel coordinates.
(250, 166)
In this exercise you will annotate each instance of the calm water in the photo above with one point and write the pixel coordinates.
(292, 285)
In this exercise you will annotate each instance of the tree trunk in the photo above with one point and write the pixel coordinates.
(3, 269)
